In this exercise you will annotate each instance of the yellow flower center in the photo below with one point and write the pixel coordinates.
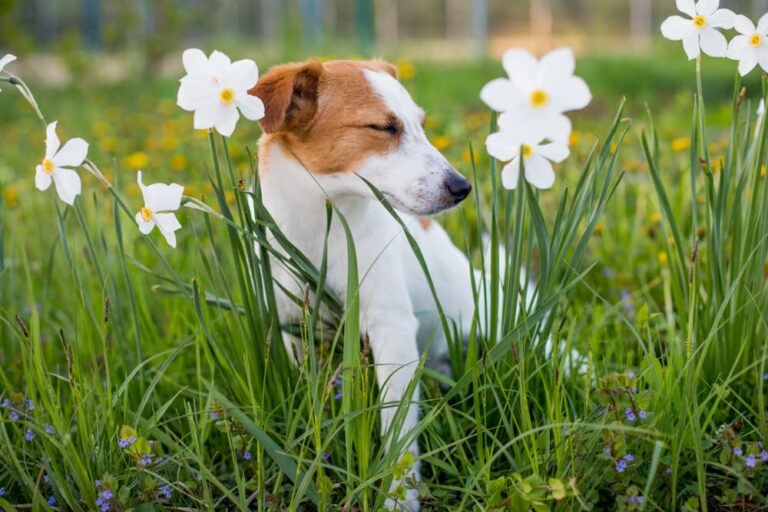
(146, 214)
(755, 40)
(700, 21)
(48, 166)
(227, 95)
(527, 151)
(539, 98)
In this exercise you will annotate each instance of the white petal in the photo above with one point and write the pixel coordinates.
(538, 172)
(691, 45)
(52, 142)
(520, 65)
(6, 60)
(557, 64)
(555, 151)
(510, 174)
(762, 25)
(723, 18)
(195, 62)
(499, 94)
(762, 58)
(677, 28)
(226, 118)
(72, 154)
(571, 93)
(747, 63)
(707, 7)
(518, 124)
(501, 146)
(42, 178)
(168, 224)
(220, 64)
(195, 91)
(160, 197)
(687, 7)
(243, 74)
(251, 106)
(144, 226)
(737, 47)
(67, 183)
(713, 43)
(559, 129)
(743, 25)
(205, 116)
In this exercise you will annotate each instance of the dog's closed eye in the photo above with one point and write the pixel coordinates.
(391, 128)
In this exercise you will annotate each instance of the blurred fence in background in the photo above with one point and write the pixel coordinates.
(158, 26)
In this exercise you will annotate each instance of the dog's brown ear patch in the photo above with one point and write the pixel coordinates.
(289, 93)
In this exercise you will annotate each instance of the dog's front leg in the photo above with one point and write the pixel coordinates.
(391, 328)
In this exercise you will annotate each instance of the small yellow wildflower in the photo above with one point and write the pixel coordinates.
(406, 69)
(178, 162)
(663, 258)
(442, 142)
(574, 138)
(599, 228)
(681, 144)
(655, 218)
(11, 197)
(137, 160)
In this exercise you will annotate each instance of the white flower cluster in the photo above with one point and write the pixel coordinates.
(700, 32)
(532, 103)
(215, 89)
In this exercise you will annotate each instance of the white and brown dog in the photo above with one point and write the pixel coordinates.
(326, 125)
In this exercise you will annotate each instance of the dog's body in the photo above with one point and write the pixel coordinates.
(327, 125)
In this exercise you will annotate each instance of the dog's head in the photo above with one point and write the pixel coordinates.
(343, 118)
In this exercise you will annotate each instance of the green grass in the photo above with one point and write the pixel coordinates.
(114, 335)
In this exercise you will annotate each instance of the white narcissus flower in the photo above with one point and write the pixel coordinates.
(215, 89)
(750, 47)
(55, 166)
(6, 60)
(699, 32)
(160, 201)
(537, 158)
(533, 99)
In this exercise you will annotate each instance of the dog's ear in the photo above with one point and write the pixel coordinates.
(289, 93)
(382, 65)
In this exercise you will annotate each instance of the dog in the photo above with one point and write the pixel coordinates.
(327, 125)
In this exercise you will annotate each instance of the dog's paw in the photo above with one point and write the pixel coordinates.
(403, 499)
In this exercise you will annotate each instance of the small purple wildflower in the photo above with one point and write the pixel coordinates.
(326, 456)
(125, 443)
(146, 459)
(98, 483)
(750, 461)
(104, 500)
(607, 450)
(30, 405)
(668, 470)
(246, 455)
(166, 491)
(765, 377)
(642, 415)
(6, 403)
(634, 390)
(764, 456)
(639, 499)
(621, 466)
(608, 273)
(630, 414)
(737, 451)
(52, 501)
(2, 491)
(215, 415)
(14, 415)
(629, 457)
(29, 435)
(630, 375)
(48, 429)
(46, 479)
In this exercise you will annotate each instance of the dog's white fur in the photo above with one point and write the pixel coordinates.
(395, 302)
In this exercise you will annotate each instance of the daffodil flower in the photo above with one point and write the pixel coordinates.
(160, 201)
(6, 60)
(216, 88)
(750, 47)
(532, 101)
(699, 31)
(537, 159)
(56, 164)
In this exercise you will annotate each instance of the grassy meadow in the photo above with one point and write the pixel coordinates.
(649, 254)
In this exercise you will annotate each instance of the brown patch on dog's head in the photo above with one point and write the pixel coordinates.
(327, 115)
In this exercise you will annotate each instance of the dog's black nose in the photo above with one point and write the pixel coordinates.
(458, 186)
